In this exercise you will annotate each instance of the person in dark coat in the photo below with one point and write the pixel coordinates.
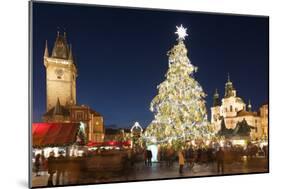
(60, 167)
(145, 157)
(220, 160)
(199, 155)
(170, 156)
(37, 164)
(51, 168)
(43, 162)
(149, 156)
(189, 156)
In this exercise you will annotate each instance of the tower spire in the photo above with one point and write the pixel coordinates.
(70, 56)
(216, 92)
(58, 109)
(46, 53)
(216, 98)
(228, 77)
(229, 89)
(249, 106)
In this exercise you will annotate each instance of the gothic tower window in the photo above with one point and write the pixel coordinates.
(230, 108)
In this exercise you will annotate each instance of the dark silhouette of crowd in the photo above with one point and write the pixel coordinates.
(68, 169)
(147, 158)
(209, 154)
(52, 165)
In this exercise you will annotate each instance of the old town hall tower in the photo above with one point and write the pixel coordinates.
(61, 73)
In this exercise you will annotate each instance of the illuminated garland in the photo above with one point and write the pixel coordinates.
(179, 107)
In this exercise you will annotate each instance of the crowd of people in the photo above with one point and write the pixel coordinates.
(192, 155)
(52, 165)
(167, 156)
(201, 154)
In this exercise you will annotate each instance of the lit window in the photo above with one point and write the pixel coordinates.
(79, 115)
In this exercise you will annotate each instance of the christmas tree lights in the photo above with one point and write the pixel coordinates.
(179, 107)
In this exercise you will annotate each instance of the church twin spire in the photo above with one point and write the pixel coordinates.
(216, 98)
(229, 88)
(228, 91)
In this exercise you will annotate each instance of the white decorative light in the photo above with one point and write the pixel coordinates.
(181, 31)
(153, 140)
(136, 126)
(154, 150)
(82, 126)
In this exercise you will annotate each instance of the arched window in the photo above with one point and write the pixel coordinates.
(230, 108)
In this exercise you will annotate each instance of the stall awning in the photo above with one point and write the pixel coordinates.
(109, 143)
(54, 134)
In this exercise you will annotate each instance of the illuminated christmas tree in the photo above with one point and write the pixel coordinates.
(179, 108)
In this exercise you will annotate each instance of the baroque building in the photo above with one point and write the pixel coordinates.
(61, 104)
(234, 111)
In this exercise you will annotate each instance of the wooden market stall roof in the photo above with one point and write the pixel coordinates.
(54, 134)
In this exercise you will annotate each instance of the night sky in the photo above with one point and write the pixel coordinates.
(121, 56)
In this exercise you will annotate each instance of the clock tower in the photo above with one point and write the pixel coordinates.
(61, 74)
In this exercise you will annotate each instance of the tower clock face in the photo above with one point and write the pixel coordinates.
(59, 72)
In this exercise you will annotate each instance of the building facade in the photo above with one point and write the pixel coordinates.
(264, 120)
(233, 109)
(61, 104)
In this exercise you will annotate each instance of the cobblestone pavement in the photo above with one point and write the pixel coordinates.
(158, 171)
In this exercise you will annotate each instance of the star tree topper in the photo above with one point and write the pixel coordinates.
(181, 31)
